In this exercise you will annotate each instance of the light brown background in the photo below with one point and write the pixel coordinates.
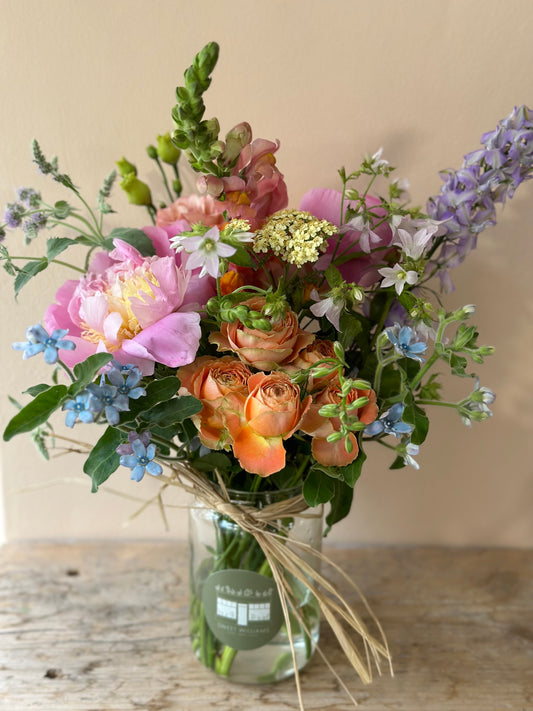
(332, 80)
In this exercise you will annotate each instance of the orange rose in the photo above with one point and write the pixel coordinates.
(272, 412)
(264, 350)
(318, 350)
(221, 385)
(334, 454)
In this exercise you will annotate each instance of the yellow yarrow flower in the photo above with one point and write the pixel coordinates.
(297, 237)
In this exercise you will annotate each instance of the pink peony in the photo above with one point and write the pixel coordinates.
(138, 308)
(362, 269)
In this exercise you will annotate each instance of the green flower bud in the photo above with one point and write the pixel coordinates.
(126, 168)
(334, 437)
(62, 209)
(166, 150)
(241, 311)
(152, 152)
(330, 410)
(212, 306)
(138, 192)
(262, 324)
(177, 186)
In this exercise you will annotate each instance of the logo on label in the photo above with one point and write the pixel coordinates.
(242, 608)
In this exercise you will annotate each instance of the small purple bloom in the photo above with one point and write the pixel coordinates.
(15, 211)
(29, 196)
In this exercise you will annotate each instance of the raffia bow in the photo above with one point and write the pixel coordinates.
(291, 557)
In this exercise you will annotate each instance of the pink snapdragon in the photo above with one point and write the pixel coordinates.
(138, 308)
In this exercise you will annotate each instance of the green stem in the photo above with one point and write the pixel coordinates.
(165, 181)
(440, 403)
(379, 327)
(423, 370)
(53, 261)
(66, 369)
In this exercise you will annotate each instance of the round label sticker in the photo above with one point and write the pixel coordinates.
(242, 608)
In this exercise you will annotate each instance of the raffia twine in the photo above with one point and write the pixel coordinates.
(291, 557)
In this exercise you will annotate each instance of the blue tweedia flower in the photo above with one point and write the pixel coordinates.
(83, 408)
(401, 338)
(14, 213)
(140, 461)
(126, 380)
(111, 401)
(390, 423)
(38, 340)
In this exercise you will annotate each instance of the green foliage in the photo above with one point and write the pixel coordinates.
(414, 415)
(172, 412)
(103, 459)
(28, 271)
(340, 504)
(318, 489)
(56, 245)
(136, 238)
(86, 371)
(156, 391)
(36, 412)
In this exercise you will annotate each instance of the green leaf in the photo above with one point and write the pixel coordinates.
(86, 371)
(136, 238)
(414, 415)
(333, 276)
(156, 391)
(103, 459)
(340, 504)
(56, 245)
(317, 488)
(241, 258)
(36, 412)
(352, 471)
(350, 328)
(28, 271)
(215, 460)
(36, 389)
(398, 463)
(173, 411)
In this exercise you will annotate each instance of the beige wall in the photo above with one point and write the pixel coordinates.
(332, 80)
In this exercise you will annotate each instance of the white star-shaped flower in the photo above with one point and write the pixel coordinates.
(205, 251)
(398, 277)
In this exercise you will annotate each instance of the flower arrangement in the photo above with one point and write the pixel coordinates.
(240, 345)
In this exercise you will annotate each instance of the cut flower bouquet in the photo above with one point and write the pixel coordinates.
(253, 354)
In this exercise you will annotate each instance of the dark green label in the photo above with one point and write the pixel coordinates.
(242, 608)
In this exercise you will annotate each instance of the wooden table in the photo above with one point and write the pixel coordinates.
(104, 627)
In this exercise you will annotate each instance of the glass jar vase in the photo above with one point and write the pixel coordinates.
(236, 620)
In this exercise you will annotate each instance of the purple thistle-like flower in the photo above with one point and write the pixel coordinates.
(14, 213)
(467, 200)
(29, 196)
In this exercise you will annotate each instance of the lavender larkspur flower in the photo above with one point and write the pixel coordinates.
(390, 423)
(466, 203)
(404, 341)
(38, 340)
(140, 460)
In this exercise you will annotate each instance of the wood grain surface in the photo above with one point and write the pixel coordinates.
(104, 627)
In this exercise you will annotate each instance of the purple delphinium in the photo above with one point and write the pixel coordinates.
(467, 200)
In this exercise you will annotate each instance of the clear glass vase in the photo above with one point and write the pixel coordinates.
(236, 621)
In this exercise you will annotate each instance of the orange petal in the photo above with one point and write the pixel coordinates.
(334, 454)
(259, 455)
